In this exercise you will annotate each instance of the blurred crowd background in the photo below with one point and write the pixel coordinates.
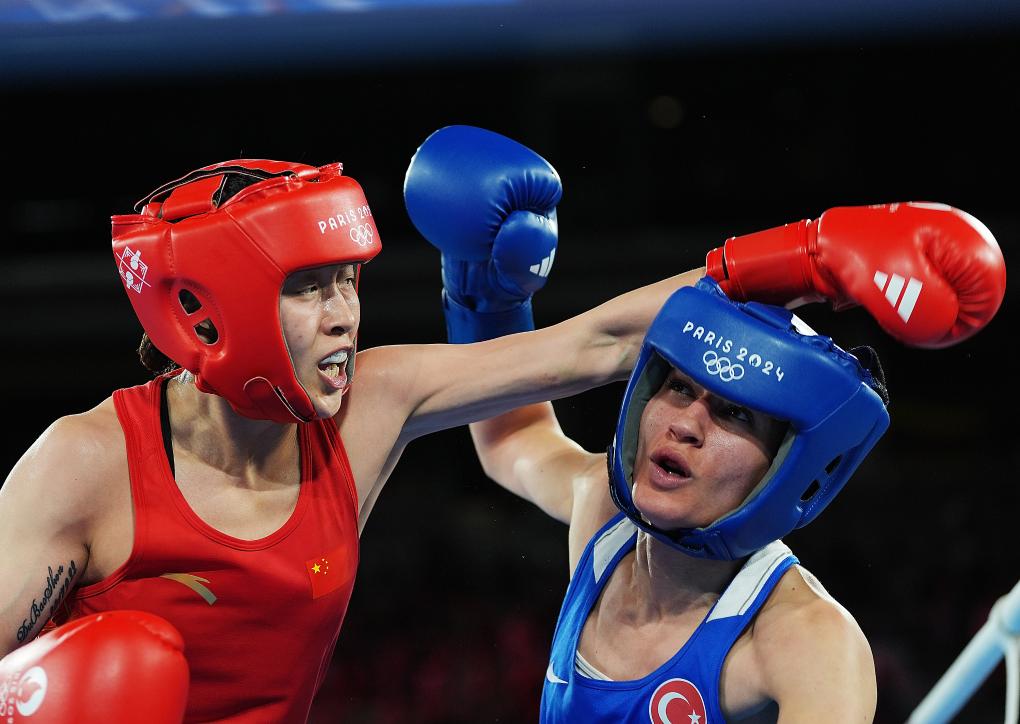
(673, 126)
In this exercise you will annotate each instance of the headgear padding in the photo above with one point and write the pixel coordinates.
(231, 250)
(753, 354)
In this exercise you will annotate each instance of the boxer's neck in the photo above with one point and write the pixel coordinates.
(207, 428)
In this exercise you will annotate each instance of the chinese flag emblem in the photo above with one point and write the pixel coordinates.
(329, 572)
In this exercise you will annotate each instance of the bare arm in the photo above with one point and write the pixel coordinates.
(46, 511)
(450, 385)
(526, 452)
(403, 392)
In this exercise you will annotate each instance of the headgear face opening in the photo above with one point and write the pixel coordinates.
(224, 238)
(764, 358)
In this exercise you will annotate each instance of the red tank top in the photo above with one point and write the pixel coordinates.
(260, 618)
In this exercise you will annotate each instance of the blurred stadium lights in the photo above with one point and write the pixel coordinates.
(58, 11)
(59, 39)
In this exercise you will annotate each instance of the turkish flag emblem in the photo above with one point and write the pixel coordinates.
(677, 701)
(329, 572)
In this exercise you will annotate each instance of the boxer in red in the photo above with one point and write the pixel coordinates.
(227, 495)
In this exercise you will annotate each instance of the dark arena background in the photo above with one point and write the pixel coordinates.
(673, 126)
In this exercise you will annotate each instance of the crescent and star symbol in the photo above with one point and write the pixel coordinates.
(668, 695)
(664, 703)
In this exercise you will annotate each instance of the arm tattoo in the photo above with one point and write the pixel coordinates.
(58, 583)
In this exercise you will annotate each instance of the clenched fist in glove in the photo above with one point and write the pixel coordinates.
(931, 275)
(489, 205)
(116, 667)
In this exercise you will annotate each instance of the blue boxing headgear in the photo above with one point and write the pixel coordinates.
(764, 358)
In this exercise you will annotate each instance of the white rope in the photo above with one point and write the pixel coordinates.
(998, 638)
(1010, 641)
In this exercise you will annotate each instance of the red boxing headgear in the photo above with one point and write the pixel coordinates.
(232, 252)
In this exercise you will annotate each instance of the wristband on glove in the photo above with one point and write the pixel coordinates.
(465, 325)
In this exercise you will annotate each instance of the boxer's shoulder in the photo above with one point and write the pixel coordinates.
(799, 601)
(803, 651)
(77, 460)
(93, 438)
(801, 623)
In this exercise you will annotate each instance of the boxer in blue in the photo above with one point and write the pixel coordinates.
(739, 424)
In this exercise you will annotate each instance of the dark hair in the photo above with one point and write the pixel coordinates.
(152, 359)
(868, 358)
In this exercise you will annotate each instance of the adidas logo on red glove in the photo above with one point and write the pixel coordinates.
(945, 281)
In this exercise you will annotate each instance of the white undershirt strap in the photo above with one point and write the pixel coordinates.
(587, 670)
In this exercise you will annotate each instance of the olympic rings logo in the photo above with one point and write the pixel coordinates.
(362, 235)
(716, 365)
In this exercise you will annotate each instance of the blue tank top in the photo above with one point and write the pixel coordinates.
(685, 689)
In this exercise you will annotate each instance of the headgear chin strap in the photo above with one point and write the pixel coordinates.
(754, 355)
(215, 246)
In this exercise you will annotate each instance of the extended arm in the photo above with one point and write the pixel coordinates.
(403, 392)
(489, 204)
(450, 385)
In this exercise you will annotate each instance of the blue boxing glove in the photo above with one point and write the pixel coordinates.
(489, 205)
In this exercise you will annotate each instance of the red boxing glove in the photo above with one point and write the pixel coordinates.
(929, 274)
(112, 668)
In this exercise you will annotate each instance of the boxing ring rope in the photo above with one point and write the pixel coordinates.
(998, 638)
